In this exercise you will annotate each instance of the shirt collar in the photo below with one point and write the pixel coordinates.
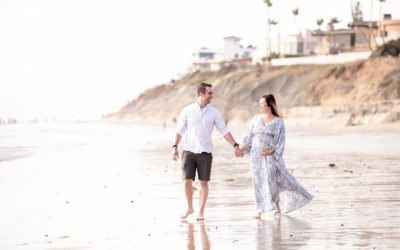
(197, 105)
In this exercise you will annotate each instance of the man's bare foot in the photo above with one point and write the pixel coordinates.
(277, 215)
(188, 212)
(257, 216)
(200, 217)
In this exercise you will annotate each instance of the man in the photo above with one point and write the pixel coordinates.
(196, 122)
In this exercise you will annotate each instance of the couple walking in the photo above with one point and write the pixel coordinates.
(274, 188)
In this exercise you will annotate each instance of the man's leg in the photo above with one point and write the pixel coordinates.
(188, 175)
(204, 170)
(187, 184)
(203, 198)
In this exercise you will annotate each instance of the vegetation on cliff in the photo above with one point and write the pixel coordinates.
(372, 85)
(391, 48)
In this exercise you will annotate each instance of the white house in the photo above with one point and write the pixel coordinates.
(310, 43)
(232, 49)
(206, 59)
(283, 44)
(204, 54)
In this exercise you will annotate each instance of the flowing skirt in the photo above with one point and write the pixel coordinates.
(274, 184)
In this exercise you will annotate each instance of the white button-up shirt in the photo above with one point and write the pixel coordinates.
(196, 125)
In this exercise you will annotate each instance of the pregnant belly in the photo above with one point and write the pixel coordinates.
(261, 143)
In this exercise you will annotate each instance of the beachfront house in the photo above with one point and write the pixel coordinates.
(310, 43)
(360, 36)
(377, 33)
(285, 45)
(340, 41)
(206, 59)
(390, 29)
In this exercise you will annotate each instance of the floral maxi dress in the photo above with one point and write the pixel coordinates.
(272, 182)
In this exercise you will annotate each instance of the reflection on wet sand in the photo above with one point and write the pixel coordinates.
(278, 233)
(269, 234)
(123, 183)
(204, 241)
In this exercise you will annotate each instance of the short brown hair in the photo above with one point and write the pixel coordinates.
(202, 87)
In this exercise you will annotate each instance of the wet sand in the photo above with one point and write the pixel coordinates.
(114, 193)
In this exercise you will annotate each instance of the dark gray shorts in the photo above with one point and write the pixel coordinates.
(200, 162)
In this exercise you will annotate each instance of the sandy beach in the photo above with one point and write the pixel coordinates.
(114, 186)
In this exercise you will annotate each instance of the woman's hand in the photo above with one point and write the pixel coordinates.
(266, 152)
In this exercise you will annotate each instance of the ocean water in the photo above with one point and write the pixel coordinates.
(25, 140)
(79, 185)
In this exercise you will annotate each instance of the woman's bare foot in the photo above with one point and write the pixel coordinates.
(277, 214)
(188, 212)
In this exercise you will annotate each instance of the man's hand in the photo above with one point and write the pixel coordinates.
(175, 153)
(266, 152)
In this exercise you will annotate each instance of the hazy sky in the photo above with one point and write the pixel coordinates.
(85, 58)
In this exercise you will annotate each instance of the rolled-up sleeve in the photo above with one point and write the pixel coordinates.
(182, 123)
(220, 124)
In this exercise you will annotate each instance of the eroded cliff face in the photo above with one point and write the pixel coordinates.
(360, 88)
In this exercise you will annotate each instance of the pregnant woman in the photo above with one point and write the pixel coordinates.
(274, 187)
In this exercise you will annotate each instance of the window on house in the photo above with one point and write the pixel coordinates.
(352, 40)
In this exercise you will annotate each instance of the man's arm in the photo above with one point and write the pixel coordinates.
(181, 129)
(229, 138)
(175, 153)
(221, 126)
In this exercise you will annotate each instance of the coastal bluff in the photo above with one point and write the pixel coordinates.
(361, 92)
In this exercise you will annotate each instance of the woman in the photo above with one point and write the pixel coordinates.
(274, 187)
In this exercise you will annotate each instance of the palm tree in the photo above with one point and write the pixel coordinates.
(270, 22)
(319, 22)
(269, 5)
(295, 12)
(331, 27)
(356, 11)
(332, 22)
(381, 19)
(357, 15)
(372, 37)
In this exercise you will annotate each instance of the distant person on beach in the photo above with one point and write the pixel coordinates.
(196, 123)
(274, 188)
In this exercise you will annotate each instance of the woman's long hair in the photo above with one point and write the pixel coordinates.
(270, 100)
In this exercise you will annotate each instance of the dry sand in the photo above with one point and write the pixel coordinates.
(110, 192)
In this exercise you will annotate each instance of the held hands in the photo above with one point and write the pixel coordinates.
(266, 152)
(239, 152)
